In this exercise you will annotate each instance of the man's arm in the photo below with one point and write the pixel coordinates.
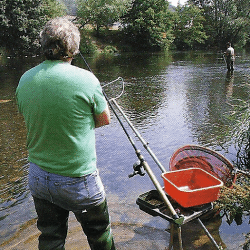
(103, 118)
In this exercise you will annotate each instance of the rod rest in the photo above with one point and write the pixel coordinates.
(151, 203)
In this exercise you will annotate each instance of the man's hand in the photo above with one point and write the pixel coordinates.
(102, 119)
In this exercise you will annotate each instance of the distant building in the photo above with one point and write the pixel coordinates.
(70, 5)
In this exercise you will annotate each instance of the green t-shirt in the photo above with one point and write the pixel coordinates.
(58, 101)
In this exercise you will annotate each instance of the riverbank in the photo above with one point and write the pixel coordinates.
(137, 233)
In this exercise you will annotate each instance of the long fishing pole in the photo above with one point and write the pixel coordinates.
(178, 220)
(224, 57)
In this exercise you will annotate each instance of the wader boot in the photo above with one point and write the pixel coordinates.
(53, 224)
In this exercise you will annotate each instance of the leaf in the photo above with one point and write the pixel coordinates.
(238, 218)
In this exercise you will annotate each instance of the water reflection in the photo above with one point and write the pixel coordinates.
(172, 99)
(229, 83)
(13, 153)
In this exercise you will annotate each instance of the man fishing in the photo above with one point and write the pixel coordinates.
(62, 105)
(230, 58)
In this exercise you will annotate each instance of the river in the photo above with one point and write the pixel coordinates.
(173, 99)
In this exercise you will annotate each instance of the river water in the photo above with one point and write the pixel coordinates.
(172, 99)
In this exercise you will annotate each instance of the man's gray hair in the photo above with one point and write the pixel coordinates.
(59, 39)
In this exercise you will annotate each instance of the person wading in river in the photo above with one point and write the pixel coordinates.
(62, 105)
(230, 58)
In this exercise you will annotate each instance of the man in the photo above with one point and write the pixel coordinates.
(230, 57)
(62, 105)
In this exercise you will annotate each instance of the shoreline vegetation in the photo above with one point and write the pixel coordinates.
(130, 25)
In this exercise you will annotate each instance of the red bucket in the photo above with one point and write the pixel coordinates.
(191, 187)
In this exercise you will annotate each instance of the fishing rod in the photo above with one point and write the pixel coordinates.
(224, 57)
(143, 164)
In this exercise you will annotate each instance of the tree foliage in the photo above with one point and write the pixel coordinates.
(188, 27)
(19, 23)
(226, 20)
(53, 8)
(100, 13)
(22, 20)
(148, 25)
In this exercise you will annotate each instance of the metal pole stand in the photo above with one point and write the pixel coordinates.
(151, 203)
(173, 229)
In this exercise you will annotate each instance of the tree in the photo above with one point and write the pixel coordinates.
(99, 13)
(18, 23)
(226, 20)
(148, 25)
(188, 27)
(53, 8)
(21, 22)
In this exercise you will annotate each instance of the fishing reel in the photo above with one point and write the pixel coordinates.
(138, 169)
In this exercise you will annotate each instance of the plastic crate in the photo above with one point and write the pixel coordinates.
(191, 187)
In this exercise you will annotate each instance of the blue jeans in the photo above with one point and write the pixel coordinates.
(55, 195)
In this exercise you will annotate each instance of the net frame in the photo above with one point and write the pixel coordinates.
(201, 157)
